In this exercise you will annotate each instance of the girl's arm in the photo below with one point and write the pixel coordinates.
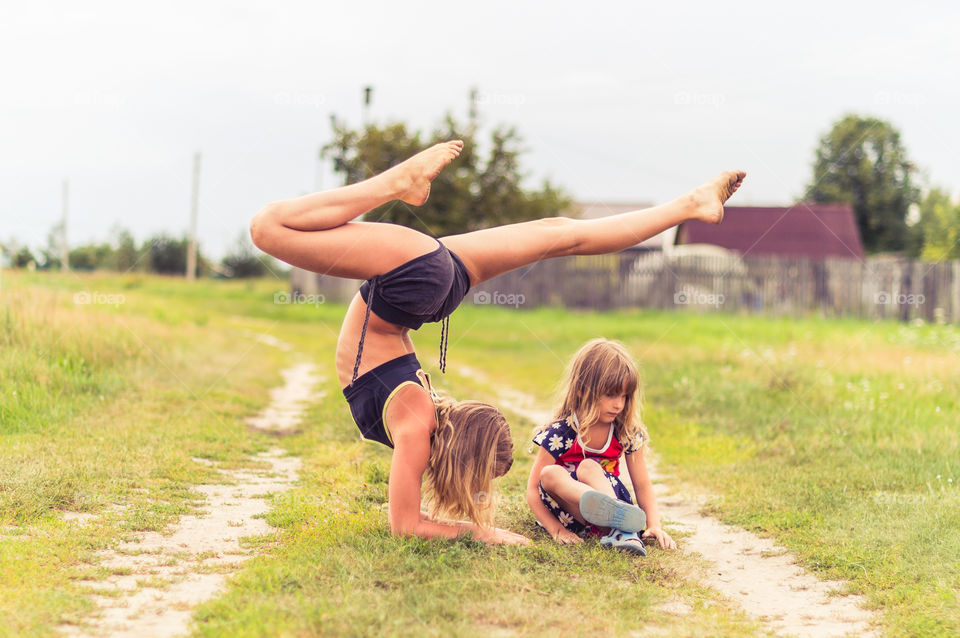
(643, 488)
(550, 523)
(410, 455)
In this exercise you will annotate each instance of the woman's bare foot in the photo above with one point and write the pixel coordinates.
(410, 179)
(708, 199)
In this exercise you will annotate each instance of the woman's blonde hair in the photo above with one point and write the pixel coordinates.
(602, 368)
(471, 446)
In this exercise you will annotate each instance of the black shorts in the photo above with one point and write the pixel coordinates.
(425, 289)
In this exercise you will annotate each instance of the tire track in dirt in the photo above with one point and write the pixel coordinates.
(162, 577)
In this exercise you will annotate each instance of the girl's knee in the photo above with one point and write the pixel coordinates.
(551, 474)
(589, 466)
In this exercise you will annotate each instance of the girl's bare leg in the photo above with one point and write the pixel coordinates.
(315, 232)
(567, 490)
(488, 253)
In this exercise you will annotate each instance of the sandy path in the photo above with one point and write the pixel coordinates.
(282, 415)
(761, 577)
(167, 575)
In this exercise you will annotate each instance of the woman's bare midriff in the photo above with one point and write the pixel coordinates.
(384, 341)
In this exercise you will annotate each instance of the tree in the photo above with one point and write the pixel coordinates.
(243, 260)
(473, 192)
(92, 257)
(125, 254)
(51, 252)
(939, 226)
(862, 162)
(167, 255)
(23, 258)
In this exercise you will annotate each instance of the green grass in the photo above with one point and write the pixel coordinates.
(837, 438)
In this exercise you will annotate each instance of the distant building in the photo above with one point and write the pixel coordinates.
(802, 230)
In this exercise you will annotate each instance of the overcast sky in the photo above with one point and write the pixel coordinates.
(616, 101)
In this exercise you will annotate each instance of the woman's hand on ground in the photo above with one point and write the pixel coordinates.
(566, 537)
(662, 537)
(497, 536)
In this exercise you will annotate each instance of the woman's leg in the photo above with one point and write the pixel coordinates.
(558, 483)
(315, 232)
(488, 253)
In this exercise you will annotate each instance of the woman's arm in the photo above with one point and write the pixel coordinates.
(646, 499)
(411, 452)
(550, 522)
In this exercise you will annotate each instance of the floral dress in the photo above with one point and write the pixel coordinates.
(561, 441)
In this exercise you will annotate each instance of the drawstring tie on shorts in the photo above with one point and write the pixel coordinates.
(371, 294)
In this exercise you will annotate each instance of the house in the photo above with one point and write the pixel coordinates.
(801, 230)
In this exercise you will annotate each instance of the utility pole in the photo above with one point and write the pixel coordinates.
(64, 249)
(192, 243)
(367, 99)
(472, 112)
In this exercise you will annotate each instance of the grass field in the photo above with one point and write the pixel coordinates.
(837, 438)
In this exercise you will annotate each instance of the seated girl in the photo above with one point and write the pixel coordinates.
(574, 487)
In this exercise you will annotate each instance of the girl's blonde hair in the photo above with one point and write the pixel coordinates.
(602, 368)
(471, 446)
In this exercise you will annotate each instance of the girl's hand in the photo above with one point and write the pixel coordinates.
(566, 537)
(662, 537)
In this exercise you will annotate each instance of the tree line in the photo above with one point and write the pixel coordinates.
(161, 254)
(860, 161)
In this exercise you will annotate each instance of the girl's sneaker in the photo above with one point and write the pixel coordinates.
(622, 540)
(606, 511)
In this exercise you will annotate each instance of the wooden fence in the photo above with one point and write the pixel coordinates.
(878, 287)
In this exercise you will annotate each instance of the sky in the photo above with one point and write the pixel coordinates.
(616, 102)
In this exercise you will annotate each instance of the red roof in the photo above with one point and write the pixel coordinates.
(801, 230)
